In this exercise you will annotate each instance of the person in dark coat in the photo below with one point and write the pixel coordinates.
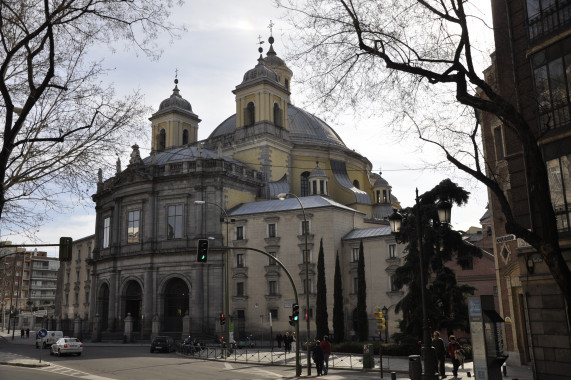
(279, 339)
(317, 357)
(27, 333)
(440, 349)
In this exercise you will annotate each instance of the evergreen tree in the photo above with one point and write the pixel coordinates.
(362, 317)
(445, 299)
(338, 315)
(321, 317)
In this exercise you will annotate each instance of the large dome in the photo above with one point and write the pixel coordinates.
(304, 128)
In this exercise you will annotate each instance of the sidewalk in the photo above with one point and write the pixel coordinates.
(399, 365)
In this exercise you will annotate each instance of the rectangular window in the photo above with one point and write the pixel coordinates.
(240, 289)
(310, 286)
(355, 255)
(133, 226)
(79, 254)
(499, 143)
(355, 285)
(392, 251)
(240, 314)
(272, 288)
(272, 230)
(240, 233)
(467, 263)
(106, 232)
(274, 314)
(240, 260)
(551, 69)
(305, 227)
(305, 256)
(392, 286)
(174, 222)
(271, 261)
(559, 172)
(322, 187)
(547, 16)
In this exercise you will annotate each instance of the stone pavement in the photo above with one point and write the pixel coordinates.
(399, 365)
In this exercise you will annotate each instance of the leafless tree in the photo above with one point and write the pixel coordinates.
(61, 121)
(416, 60)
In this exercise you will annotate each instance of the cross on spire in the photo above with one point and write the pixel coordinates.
(260, 42)
(271, 26)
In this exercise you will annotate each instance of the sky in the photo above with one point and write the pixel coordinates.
(210, 59)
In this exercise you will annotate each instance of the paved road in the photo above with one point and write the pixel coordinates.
(103, 361)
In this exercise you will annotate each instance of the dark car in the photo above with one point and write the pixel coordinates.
(163, 343)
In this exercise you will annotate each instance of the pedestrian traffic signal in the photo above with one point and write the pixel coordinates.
(202, 249)
(295, 312)
(291, 322)
(222, 319)
(383, 324)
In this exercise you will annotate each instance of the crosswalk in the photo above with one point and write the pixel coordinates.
(60, 370)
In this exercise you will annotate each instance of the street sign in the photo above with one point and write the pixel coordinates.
(42, 333)
(503, 239)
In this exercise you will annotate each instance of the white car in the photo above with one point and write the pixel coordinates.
(65, 346)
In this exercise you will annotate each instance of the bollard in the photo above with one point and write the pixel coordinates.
(393, 376)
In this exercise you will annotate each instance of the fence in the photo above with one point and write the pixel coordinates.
(267, 356)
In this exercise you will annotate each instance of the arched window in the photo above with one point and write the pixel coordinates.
(287, 84)
(162, 139)
(277, 115)
(185, 137)
(304, 184)
(356, 184)
(250, 117)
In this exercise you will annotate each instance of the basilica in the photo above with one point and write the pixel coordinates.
(272, 177)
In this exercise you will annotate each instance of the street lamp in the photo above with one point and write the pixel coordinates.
(305, 231)
(395, 221)
(226, 274)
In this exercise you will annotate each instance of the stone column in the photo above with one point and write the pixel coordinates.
(156, 326)
(185, 325)
(96, 334)
(128, 331)
(77, 327)
(149, 286)
(112, 301)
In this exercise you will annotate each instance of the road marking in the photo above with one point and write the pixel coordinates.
(61, 370)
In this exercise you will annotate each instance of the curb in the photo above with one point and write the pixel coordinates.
(27, 365)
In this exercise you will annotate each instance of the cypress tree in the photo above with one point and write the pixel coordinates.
(321, 317)
(362, 317)
(338, 315)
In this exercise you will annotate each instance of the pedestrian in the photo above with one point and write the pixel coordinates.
(22, 333)
(279, 338)
(440, 349)
(27, 333)
(453, 346)
(317, 357)
(287, 342)
(326, 348)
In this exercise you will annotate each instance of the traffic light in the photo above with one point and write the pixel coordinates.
(202, 249)
(222, 319)
(65, 245)
(383, 324)
(295, 312)
(291, 322)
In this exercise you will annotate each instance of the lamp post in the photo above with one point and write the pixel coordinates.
(305, 231)
(395, 220)
(386, 316)
(226, 274)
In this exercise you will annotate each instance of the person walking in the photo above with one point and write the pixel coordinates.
(453, 346)
(440, 349)
(326, 348)
(317, 357)
(279, 339)
(22, 333)
(27, 333)
(287, 342)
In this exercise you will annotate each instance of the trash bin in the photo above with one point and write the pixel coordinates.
(368, 356)
(414, 367)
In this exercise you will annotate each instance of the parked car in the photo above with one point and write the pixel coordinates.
(67, 346)
(163, 343)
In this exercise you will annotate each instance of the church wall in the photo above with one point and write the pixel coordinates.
(234, 197)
